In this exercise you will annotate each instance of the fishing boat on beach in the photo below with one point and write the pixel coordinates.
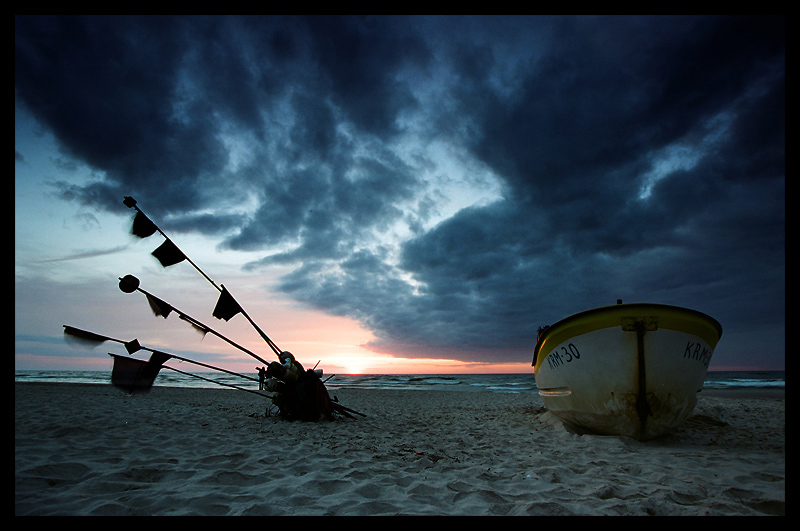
(627, 369)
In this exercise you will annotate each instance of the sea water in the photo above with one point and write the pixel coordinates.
(493, 383)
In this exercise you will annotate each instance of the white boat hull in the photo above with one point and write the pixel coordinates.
(629, 369)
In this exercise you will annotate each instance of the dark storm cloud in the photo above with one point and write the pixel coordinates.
(640, 158)
(593, 113)
(104, 86)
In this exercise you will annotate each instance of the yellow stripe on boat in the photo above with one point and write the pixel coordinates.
(668, 317)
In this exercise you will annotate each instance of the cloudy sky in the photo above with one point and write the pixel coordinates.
(405, 194)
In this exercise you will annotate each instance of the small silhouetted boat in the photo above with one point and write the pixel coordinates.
(628, 369)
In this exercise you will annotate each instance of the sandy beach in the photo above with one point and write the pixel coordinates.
(93, 450)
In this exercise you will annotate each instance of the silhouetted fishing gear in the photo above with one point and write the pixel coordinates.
(135, 375)
(253, 391)
(299, 393)
(169, 254)
(134, 346)
(129, 284)
(344, 410)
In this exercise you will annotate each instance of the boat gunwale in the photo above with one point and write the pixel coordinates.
(608, 314)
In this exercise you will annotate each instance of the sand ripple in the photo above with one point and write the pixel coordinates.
(90, 450)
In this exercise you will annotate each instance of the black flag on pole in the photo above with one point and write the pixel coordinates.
(142, 226)
(132, 346)
(158, 306)
(169, 254)
(200, 327)
(136, 376)
(227, 306)
(82, 336)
